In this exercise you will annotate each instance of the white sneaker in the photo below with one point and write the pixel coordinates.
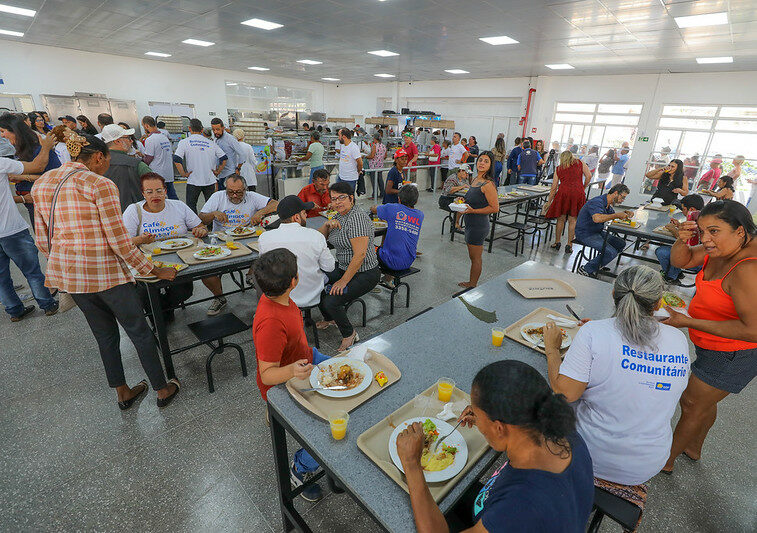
(216, 305)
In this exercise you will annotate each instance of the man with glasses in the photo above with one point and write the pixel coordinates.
(229, 209)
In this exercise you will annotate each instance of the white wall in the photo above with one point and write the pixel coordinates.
(36, 70)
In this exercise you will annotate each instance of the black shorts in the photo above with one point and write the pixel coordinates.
(728, 371)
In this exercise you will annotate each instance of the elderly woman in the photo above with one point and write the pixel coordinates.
(625, 375)
(546, 483)
(357, 273)
(723, 321)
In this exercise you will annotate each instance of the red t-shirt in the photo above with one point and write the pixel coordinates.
(309, 194)
(412, 151)
(279, 336)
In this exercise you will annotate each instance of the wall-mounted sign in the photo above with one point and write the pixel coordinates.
(643, 139)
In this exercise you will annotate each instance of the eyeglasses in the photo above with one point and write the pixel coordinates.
(156, 191)
(235, 193)
(340, 198)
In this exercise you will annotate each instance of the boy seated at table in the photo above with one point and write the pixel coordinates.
(400, 244)
(281, 347)
(690, 206)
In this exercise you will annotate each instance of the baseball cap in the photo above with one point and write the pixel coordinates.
(67, 117)
(717, 161)
(291, 205)
(407, 134)
(465, 167)
(113, 132)
(399, 153)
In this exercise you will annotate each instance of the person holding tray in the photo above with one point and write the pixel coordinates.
(546, 484)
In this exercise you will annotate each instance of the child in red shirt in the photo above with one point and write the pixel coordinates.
(281, 347)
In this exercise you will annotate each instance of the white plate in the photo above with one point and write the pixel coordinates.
(224, 252)
(380, 224)
(178, 244)
(247, 232)
(360, 366)
(458, 207)
(456, 439)
(539, 342)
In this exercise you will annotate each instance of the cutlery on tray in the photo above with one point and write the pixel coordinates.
(335, 387)
(439, 441)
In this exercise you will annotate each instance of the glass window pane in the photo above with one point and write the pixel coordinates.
(633, 109)
(572, 117)
(733, 144)
(597, 132)
(689, 110)
(695, 123)
(618, 119)
(694, 142)
(739, 112)
(736, 125)
(615, 136)
(583, 108)
(667, 138)
(557, 131)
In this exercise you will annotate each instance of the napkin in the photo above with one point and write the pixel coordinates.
(446, 413)
(359, 352)
(562, 322)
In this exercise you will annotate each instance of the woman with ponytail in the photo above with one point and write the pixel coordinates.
(625, 375)
(546, 484)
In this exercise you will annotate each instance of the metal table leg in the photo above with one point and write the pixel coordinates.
(161, 331)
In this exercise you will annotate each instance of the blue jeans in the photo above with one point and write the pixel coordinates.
(663, 256)
(171, 191)
(303, 462)
(20, 249)
(614, 246)
(530, 180)
(312, 171)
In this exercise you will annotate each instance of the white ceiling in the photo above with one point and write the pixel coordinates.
(595, 36)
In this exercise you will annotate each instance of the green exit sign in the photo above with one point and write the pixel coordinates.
(644, 139)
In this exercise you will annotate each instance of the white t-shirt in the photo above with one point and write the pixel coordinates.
(202, 157)
(158, 146)
(456, 152)
(175, 220)
(236, 213)
(163, 131)
(348, 156)
(313, 258)
(11, 221)
(248, 170)
(631, 394)
(61, 150)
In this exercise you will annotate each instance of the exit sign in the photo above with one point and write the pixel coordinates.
(644, 139)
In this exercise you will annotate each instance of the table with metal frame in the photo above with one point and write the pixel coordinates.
(423, 351)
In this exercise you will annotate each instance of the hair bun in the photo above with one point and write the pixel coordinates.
(554, 417)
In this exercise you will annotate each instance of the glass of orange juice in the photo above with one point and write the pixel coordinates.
(338, 423)
(498, 335)
(258, 232)
(444, 388)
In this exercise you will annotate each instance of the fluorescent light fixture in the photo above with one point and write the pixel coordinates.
(17, 11)
(11, 33)
(707, 60)
(262, 24)
(309, 62)
(560, 66)
(258, 68)
(695, 21)
(197, 42)
(457, 71)
(501, 39)
(230, 84)
(384, 75)
(157, 54)
(330, 79)
(383, 53)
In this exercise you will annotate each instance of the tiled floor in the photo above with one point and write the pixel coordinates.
(71, 460)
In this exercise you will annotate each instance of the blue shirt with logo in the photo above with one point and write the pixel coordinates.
(528, 161)
(585, 225)
(402, 233)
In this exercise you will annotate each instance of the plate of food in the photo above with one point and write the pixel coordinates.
(674, 301)
(176, 266)
(447, 461)
(176, 244)
(211, 252)
(380, 224)
(533, 332)
(626, 222)
(341, 371)
(244, 231)
(458, 207)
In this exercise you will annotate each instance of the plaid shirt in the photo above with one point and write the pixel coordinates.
(90, 248)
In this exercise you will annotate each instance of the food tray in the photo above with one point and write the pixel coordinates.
(538, 315)
(374, 442)
(150, 246)
(542, 288)
(662, 231)
(533, 188)
(655, 207)
(321, 405)
(187, 255)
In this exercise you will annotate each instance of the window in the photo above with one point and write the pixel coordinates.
(705, 138)
(580, 126)
(245, 96)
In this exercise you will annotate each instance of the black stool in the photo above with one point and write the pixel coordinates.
(625, 513)
(582, 255)
(397, 283)
(362, 303)
(214, 329)
(307, 318)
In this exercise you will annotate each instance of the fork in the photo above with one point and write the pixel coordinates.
(439, 441)
(335, 387)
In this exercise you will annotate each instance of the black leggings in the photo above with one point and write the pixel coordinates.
(334, 306)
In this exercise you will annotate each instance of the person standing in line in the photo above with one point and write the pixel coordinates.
(230, 146)
(85, 126)
(591, 159)
(350, 161)
(69, 122)
(412, 154)
(158, 155)
(500, 158)
(528, 164)
(458, 155)
(204, 161)
(60, 133)
(17, 245)
(444, 162)
(249, 162)
(473, 146)
(394, 177)
(619, 167)
(91, 262)
(38, 123)
(314, 154)
(605, 165)
(104, 119)
(137, 149)
(512, 162)
(123, 170)
(162, 127)
(376, 160)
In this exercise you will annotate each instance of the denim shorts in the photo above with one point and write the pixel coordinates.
(728, 371)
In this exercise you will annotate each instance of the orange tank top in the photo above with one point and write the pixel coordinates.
(711, 302)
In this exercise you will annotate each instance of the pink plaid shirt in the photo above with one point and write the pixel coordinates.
(90, 247)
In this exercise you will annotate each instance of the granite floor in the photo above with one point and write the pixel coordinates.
(71, 460)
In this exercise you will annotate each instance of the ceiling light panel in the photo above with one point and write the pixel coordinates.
(709, 19)
(559, 66)
(262, 24)
(11, 33)
(499, 40)
(457, 71)
(13, 10)
(309, 62)
(383, 53)
(713, 60)
(258, 68)
(157, 54)
(384, 75)
(197, 42)
(330, 79)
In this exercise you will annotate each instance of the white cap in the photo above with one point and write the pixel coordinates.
(113, 132)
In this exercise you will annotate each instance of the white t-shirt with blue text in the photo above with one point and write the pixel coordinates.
(158, 146)
(175, 220)
(202, 157)
(236, 213)
(631, 394)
